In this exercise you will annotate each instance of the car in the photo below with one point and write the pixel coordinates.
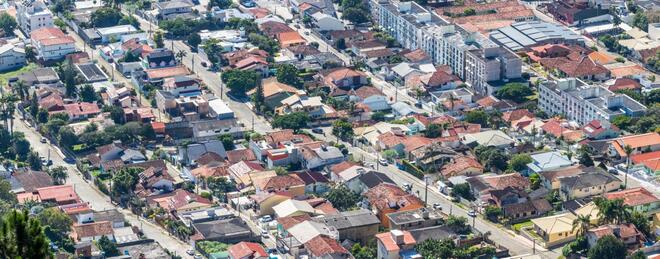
(406, 186)
(371, 165)
(44, 140)
(317, 130)
(455, 199)
(306, 32)
(266, 219)
(418, 105)
(297, 26)
(472, 213)
(204, 64)
(272, 251)
(437, 206)
(264, 233)
(69, 160)
(198, 256)
(190, 252)
(382, 161)
(613, 171)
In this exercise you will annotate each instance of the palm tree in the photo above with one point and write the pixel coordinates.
(452, 99)
(495, 119)
(59, 174)
(8, 102)
(21, 90)
(628, 149)
(181, 54)
(581, 225)
(612, 211)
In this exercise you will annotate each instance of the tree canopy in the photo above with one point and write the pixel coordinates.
(342, 198)
(22, 236)
(516, 92)
(295, 121)
(608, 247)
(288, 74)
(7, 23)
(240, 81)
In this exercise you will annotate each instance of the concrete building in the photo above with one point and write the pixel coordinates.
(415, 27)
(112, 34)
(584, 103)
(171, 9)
(523, 35)
(32, 15)
(52, 43)
(11, 57)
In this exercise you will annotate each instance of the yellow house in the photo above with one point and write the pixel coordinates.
(280, 183)
(590, 209)
(266, 201)
(555, 230)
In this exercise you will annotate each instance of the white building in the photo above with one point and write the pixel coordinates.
(52, 43)
(220, 110)
(584, 103)
(171, 9)
(114, 33)
(326, 22)
(11, 57)
(32, 15)
(472, 56)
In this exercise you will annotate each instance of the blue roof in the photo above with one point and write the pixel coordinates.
(548, 161)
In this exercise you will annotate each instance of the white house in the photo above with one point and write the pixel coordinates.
(114, 33)
(11, 57)
(326, 22)
(52, 43)
(172, 9)
(32, 15)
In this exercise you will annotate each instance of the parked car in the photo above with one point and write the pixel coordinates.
(317, 130)
(613, 171)
(382, 161)
(266, 219)
(190, 252)
(44, 140)
(472, 213)
(264, 233)
(204, 64)
(437, 206)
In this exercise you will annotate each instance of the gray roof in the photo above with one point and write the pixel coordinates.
(402, 108)
(349, 219)
(373, 178)
(222, 229)
(411, 216)
(328, 153)
(30, 181)
(174, 4)
(112, 215)
(525, 34)
(132, 154)
(587, 180)
(192, 152)
(435, 232)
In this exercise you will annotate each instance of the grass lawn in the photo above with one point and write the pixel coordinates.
(4, 77)
(518, 226)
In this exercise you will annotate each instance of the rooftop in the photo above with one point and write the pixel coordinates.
(522, 35)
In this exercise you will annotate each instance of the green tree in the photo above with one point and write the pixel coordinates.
(469, 12)
(240, 81)
(378, 116)
(194, 40)
(258, 98)
(342, 198)
(458, 224)
(608, 247)
(42, 116)
(612, 211)
(294, 121)
(88, 94)
(7, 23)
(535, 181)
(222, 4)
(355, 15)
(105, 17)
(581, 225)
(638, 255)
(108, 247)
(264, 43)
(158, 39)
(220, 186)
(22, 237)
(6, 194)
(34, 161)
(389, 154)
(21, 147)
(59, 174)
(342, 129)
(227, 141)
(516, 92)
(434, 248)
(34, 105)
(123, 182)
(641, 21)
(288, 74)
(57, 226)
(364, 252)
(477, 117)
(585, 159)
(492, 213)
(519, 162)
(462, 190)
(622, 121)
(434, 130)
(641, 222)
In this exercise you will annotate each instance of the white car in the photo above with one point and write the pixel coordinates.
(264, 233)
(266, 219)
(472, 213)
(382, 161)
(190, 252)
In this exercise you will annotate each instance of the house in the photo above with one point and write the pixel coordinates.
(325, 22)
(401, 109)
(29, 181)
(80, 213)
(489, 138)
(346, 35)
(307, 231)
(361, 47)
(311, 105)
(587, 184)
(256, 64)
(371, 97)
(170, 9)
(462, 165)
(416, 219)
(555, 230)
(292, 207)
(58, 194)
(190, 153)
(113, 216)
(367, 180)
(550, 178)
(482, 184)
(547, 161)
(52, 43)
(345, 171)
(386, 198)
(159, 58)
(435, 81)
(113, 34)
(321, 247)
(639, 199)
(112, 151)
(11, 57)
(274, 92)
(343, 78)
(92, 231)
(179, 200)
(641, 143)
(625, 84)
(600, 129)
(291, 38)
(568, 61)
(274, 28)
(315, 182)
(247, 250)
(394, 243)
(628, 233)
(316, 157)
(521, 211)
(155, 178)
(649, 162)
(280, 183)
(232, 230)
(81, 110)
(356, 225)
(577, 13)
(265, 201)
(32, 15)
(237, 155)
(43, 77)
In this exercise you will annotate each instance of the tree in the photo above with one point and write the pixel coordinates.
(355, 15)
(34, 105)
(30, 54)
(581, 225)
(608, 247)
(585, 159)
(106, 17)
(59, 174)
(6, 194)
(342, 198)
(519, 162)
(57, 226)
(434, 130)
(42, 115)
(123, 182)
(458, 224)
(240, 81)
(378, 116)
(21, 147)
(22, 237)
(227, 141)
(130, 56)
(493, 213)
(535, 181)
(641, 21)
(364, 252)
(288, 74)
(262, 42)
(462, 190)
(158, 39)
(638, 255)
(295, 121)
(340, 44)
(222, 4)
(612, 211)
(516, 92)
(88, 94)
(194, 40)
(7, 23)
(342, 129)
(469, 11)
(628, 150)
(181, 54)
(641, 222)
(219, 186)
(477, 117)
(258, 98)
(389, 154)
(434, 248)
(108, 247)
(622, 121)
(68, 75)
(34, 161)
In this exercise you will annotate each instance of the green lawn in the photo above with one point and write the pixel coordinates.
(518, 226)
(4, 77)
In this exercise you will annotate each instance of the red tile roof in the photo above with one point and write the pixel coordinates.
(633, 197)
(650, 160)
(249, 61)
(321, 246)
(516, 115)
(92, 229)
(280, 182)
(235, 156)
(51, 36)
(636, 141)
(390, 244)
(337, 168)
(247, 250)
(59, 193)
(81, 109)
(288, 222)
(386, 195)
(460, 164)
(625, 83)
(159, 73)
(411, 143)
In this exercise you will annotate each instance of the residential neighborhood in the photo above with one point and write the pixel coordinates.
(330, 129)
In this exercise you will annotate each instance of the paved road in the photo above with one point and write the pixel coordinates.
(97, 200)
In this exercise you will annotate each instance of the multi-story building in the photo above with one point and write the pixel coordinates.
(52, 43)
(11, 57)
(472, 57)
(33, 15)
(583, 103)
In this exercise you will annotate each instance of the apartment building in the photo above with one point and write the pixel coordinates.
(583, 103)
(33, 15)
(472, 56)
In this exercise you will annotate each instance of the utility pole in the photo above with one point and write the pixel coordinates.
(426, 190)
(193, 63)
